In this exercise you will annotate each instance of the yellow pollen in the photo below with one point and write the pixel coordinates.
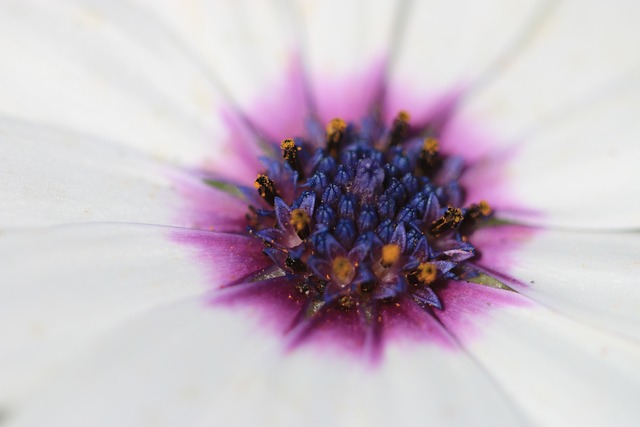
(450, 220)
(287, 144)
(390, 254)
(485, 209)
(343, 270)
(336, 126)
(260, 181)
(431, 145)
(256, 184)
(403, 116)
(299, 219)
(427, 273)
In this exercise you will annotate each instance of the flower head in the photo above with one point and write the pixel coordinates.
(362, 220)
(130, 125)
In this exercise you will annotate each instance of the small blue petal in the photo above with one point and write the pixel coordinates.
(332, 195)
(307, 201)
(396, 191)
(410, 183)
(344, 176)
(317, 182)
(368, 219)
(368, 180)
(385, 230)
(386, 207)
(348, 206)
(426, 295)
(402, 164)
(346, 232)
(399, 237)
(283, 213)
(326, 215)
(327, 165)
(406, 214)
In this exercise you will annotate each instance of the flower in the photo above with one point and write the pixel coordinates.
(111, 107)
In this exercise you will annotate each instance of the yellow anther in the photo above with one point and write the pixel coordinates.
(431, 145)
(426, 273)
(335, 132)
(259, 181)
(287, 144)
(390, 254)
(403, 116)
(450, 220)
(399, 129)
(343, 270)
(336, 126)
(299, 219)
(484, 207)
(289, 150)
(266, 188)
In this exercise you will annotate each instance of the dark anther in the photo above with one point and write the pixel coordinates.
(335, 131)
(290, 154)
(429, 159)
(474, 214)
(399, 128)
(266, 188)
(449, 221)
(295, 264)
(477, 211)
(480, 210)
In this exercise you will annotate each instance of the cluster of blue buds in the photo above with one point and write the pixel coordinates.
(359, 216)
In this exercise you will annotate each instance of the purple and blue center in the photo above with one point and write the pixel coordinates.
(361, 217)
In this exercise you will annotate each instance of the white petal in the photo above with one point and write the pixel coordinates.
(346, 45)
(52, 177)
(63, 287)
(250, 47)
(581, 172)
(447, 47)
(111, 71)
(557, 371)
(590, 276)
(580, 49)
(200, 366)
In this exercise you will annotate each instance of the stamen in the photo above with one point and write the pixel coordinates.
(425, 274)
(335, 132)
(449, 221)
(266, 188)
(300, 221)
(485, 209)
(399, 128)
(474, 214)
(429, 154)
(295, 264)
(431, 145)
(343, 270)
(390, 254)
(290, 154)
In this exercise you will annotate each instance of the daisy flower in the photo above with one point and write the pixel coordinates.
(319, 213)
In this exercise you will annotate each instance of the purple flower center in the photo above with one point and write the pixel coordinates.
(359, 217)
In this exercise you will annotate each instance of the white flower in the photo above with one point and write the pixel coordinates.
(106, 106)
